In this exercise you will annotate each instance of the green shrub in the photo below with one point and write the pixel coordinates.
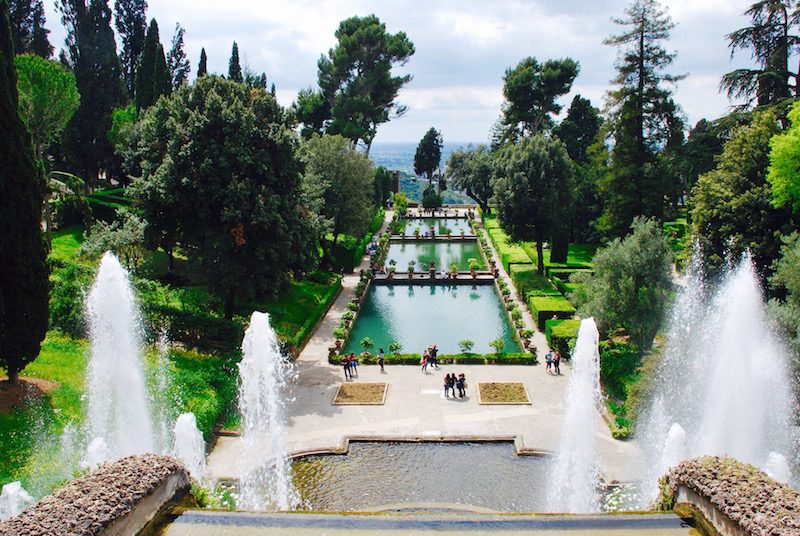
(528, 280)
(348, 315)
(352, 305)
(561, 335)
(499, 345)
(395, 347)
(203, 332)
(511, 358)
(619, 364)
(367, 344)
(339, 333)
(466, 346)
(544, 308)
(69, 285)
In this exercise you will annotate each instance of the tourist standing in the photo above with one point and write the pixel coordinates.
(461, 383)
(557, 362)
(447, 386)
(434, 356)
(346, 367)
(452, 384)
(549, 359)
(424, 362)
(353, 364)
(380, 358)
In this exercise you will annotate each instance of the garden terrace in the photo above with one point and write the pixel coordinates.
(461, 278)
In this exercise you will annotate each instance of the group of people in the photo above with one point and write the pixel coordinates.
(453, 382)
(553, 360)
(350, 365)
(429, 358)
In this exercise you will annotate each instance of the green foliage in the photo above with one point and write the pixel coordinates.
(533, 189)
(562, 334)
(125, 237)
(471, 170)
(579, 129)
(544, 308)
(367, 344)
(122, 120)
(400, 203)
(631, 284)
(733, 209)
(339, 333)
(508, 252)
(23, 275)
(69, 287)
(786, 280)
(428, 156)
(431, 199)
(466, 346)
(152, 77)
(395, 347)
(383, 185)
(202, 64)
(247, 244)
(28, 33)
(530, 90)
(783, 175)
(619, 364)
(130, 18)
(508, 358)
(177, 62)
(234, 67)
(498, 345)
(356, 79)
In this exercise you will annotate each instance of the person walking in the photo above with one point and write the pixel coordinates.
(380, 358)
(549, 359)
(435, 356)
(557, 363)
(346, 366)
(452, 384)
(447, 386)
(424, 362)
(461, 383)
(353, 364)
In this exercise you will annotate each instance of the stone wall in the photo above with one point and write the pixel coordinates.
(118, 498)
(736, 497)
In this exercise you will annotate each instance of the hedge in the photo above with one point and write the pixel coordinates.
(544, 308)
(565, 273)
(510, 358)
(509, 253)
(318, 312)
(347, 253)
(565, 287)
(528, 280)
(562, 334)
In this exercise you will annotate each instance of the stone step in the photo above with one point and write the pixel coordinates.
(207, 522)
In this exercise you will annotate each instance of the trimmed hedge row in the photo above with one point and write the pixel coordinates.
(316, 314)
(544, 308)
(562, 334)
(565, 273)
(565, 287)
(528, 280)
(508, 252)
(510, 358)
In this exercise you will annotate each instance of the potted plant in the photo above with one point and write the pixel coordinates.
(526, 335)
(339, 334)
(366, 344)
(462, 233)
(466, 346)
(498, 345)
(473, 267)
(392, 268)
(416, 232)
(395, 347)
(411, 265)
(454, 270)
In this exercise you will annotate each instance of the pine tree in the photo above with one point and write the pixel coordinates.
(177, 62)
(23, 273)
(202, 68)
(28, 33)
(144, 95)
(643, 118)
(92, 55)
(130, 18)
(234, 68)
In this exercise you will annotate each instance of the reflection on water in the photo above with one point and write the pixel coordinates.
(417, 317)
(377, 474)
(440, 226)
(442, 254)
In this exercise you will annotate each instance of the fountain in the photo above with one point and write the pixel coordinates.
(723, 386)
(573, 484)
(13, 500)
(265, 481)
(119, 418)
(189, 446)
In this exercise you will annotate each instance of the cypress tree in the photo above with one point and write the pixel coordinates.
(23, 273)
(202, 68)
(28, 33)
(162, 83)
(177, 62)
(144, 96)
(130, 19)
(234, 68)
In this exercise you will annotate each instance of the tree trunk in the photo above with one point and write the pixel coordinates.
(171, 259)
(230, 298)
(559, 245)
(13, 374)
(540, 256)
(48, 221)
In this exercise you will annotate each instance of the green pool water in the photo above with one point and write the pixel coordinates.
(440, 226)
(417, 316)
(441, 253)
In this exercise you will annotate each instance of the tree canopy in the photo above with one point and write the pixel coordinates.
(234, 67)
(177, 62)
(219, 162)
(428, 155)
(130, 18)
(23, 274)
(471, 170)
(202, 65)
(28, 33)
(356, 78)
(784, 164)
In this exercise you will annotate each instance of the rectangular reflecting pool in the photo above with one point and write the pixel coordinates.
(443, 254)
(417, 316)
(440, 226)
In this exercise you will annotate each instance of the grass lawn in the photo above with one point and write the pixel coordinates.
(360, 393)
(66, 243)
(296, 304)
(502, 393)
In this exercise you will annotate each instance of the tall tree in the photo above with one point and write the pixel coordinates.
(471, 170)
(428, 155)
(28, 33)
(784, 164)
(530, 90)
(234, 67)
(202, 67)
(91, 54)
(340, 182)
(177, 61)
(152, 75)
(130, 18)
(221, 161)
(162, 82)
(48, 98)
(533, 185)
(579, 128)
(23, 273)
(733, 209)
(313, 111)
(643, 118)
(771, 43)
(356, 77)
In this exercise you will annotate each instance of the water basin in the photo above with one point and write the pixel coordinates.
(442, 254)
(440, 226)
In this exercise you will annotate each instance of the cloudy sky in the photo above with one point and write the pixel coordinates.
(462, 49)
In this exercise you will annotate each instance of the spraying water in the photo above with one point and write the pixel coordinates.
(573, 484)
(264, 480)
(119, 417)
(13, 500)
(723, 387)
(189, 446)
